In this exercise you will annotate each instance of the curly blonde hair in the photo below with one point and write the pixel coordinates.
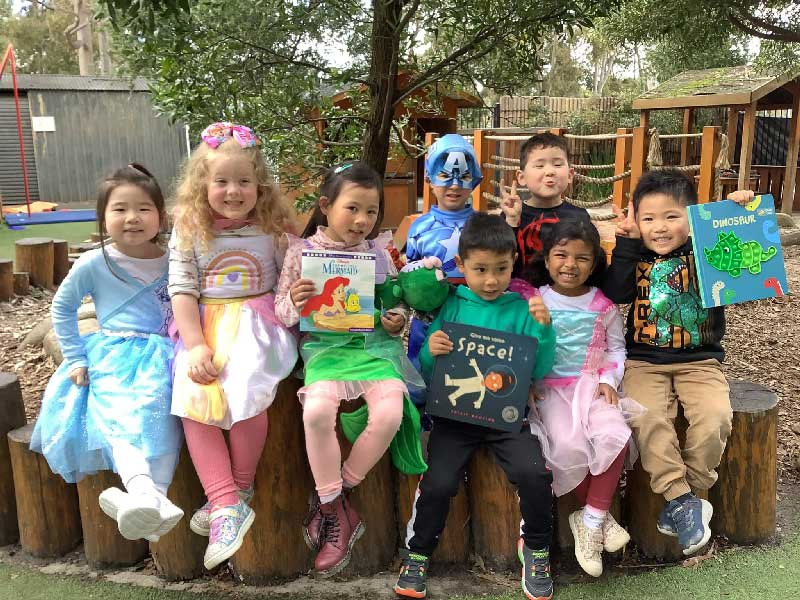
(193, 217)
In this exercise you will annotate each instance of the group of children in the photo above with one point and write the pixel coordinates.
(196, 340)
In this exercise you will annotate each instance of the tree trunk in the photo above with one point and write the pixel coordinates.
(83, 8)
(383, 81)
(104, 49)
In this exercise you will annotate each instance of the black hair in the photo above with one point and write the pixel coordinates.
(131, 174)
(542, 140)
(564, 231)
(487, 232)
(358, 173)
(669, 182)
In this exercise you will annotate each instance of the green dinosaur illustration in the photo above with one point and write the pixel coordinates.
(731, 255)
(673, 302)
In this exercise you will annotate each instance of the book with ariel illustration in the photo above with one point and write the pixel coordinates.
(485, 379)
(738, 251)
(345, 285)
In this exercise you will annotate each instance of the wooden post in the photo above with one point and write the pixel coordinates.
(481, 145)
(12, 416)
(746, 154)
(274, 547)
(494, 511)
(622, 157)
(733, 127)
(35, 255)
(744, 495)
(792, 149)
(427, 196)
(644, 119)
(47, 506)
(21, 284)
(709, 152)
(60, 260)
(688, 121)
(639, 148)
(179, 554)
(103, 544)
(6, 280)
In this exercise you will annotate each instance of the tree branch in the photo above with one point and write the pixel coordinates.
(429, 75)
(773, 32)
(409, 15)
(405, 145)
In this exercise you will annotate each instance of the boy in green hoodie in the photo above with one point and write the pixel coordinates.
(486, 253)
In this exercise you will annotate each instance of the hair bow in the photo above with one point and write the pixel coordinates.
(217, 133)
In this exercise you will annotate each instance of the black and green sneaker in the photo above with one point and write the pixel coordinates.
(413, 573)
(536, 581)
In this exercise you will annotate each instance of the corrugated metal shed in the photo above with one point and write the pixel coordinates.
(75, 82)
(11, 183)
(100, 125)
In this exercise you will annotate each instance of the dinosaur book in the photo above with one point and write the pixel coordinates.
(738, 252)
(485, 379)
(344, 299)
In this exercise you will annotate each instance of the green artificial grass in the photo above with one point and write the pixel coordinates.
(738, 574)
(72, 232)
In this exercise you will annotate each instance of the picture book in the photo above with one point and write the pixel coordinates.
(485, 379)
(737, 251)
(345, 287)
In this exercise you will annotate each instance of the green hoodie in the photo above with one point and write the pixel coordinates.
(509, 313)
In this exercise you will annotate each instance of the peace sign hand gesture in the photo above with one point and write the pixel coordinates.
(511, 204)
(626, 222)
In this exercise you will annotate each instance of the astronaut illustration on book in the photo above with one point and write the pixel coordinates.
(477, 385)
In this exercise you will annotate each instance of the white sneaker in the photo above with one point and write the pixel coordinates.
(108, 503)
(138, 516)
(588, 544)
(170, 515)
(614, 535)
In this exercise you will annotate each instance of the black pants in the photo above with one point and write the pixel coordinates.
(450, 447)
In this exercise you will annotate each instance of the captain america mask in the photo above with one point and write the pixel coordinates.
(451, 162)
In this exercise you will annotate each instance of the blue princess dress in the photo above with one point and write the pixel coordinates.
(126, 406)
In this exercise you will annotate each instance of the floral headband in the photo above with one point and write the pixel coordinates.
(217, 133)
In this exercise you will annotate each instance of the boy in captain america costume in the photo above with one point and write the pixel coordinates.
(452, 170)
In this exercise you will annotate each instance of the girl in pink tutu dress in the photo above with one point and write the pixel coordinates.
(580, 417)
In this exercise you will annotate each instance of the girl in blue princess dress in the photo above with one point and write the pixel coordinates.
(108, 404)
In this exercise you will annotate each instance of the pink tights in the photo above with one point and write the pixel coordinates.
(223, 473)
(325, 456)
(597, 491)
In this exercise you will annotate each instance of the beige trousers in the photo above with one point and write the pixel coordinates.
(702, 390)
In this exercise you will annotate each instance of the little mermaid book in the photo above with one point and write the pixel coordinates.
(737, 250)
(345, 286)
(485, 379)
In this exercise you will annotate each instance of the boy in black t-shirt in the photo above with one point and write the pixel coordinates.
(544, 169)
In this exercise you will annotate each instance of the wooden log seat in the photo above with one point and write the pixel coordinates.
(36, 256)
(12, 416)
(6, 280)
(744, 496)
(47, 506)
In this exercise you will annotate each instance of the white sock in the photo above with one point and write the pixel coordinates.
(329, 497)
(141, 484)
(593, 517)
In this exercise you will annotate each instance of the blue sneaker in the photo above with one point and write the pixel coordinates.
(690, 518)
(665, 524)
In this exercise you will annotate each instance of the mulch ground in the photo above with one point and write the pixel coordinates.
(762, 345)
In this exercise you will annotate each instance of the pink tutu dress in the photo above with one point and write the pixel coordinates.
(579, 433)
